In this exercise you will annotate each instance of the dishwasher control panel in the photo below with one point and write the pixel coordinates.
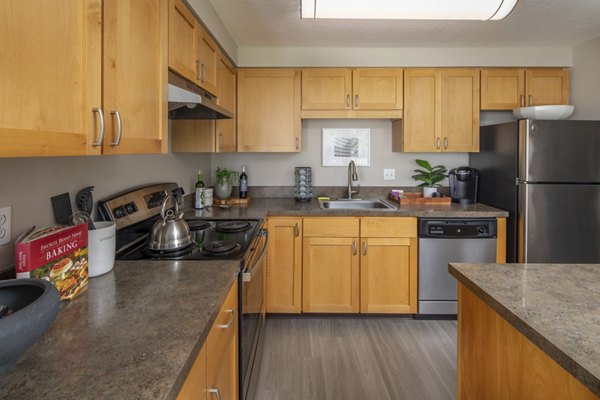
(458, 228)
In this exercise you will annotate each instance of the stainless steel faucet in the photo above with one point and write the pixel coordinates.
(352, 176)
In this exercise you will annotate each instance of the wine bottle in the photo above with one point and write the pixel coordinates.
(243, 183)
(199, 203)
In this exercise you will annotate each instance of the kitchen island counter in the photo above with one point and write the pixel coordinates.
(264, 207)
(134, 334)
(554, 306)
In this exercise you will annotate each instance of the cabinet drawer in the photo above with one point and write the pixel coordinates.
(231, 303)
(388, 227)
(331, 227)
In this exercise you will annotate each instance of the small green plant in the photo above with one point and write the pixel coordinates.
(430, 176)
(226, 175)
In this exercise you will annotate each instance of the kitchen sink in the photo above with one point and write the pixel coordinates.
(356, 204)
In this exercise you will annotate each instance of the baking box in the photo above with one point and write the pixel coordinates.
(58, 254)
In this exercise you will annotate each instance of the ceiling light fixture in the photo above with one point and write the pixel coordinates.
(483, 10)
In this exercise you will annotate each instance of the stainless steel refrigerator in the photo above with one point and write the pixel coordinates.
(546, 174)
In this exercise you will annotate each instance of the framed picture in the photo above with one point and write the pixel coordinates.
(340, 146)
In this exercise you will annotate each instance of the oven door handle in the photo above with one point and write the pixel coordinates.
(250, 270)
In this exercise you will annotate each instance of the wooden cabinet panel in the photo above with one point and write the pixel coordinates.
(50, 71)
(193, 136)
(377, 88)
(183, 41)
(208, 57)
(460, 109)
(546, 86)
(135, 58)
(422, 113)
(388, 227)
(331, 226)
(222, 351)
(194, 386)
(326, 89)
(388, 275)
(330, 275)
(226, 134)
(284, 265)
(502, 88)
(269, 110)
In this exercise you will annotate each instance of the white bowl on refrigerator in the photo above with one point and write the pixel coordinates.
(544, 112)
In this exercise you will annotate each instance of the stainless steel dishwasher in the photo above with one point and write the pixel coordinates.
(442, 241)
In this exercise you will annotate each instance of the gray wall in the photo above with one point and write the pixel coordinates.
(585, 80)
(28, 183)
(267, 169)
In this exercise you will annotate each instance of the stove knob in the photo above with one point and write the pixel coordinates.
(131, 208)
(119, 212)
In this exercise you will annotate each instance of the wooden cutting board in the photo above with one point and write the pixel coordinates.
(417, 198)
(231, 201)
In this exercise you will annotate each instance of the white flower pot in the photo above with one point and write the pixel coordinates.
(429, 191)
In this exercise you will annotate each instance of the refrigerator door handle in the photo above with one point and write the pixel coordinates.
(522, 223)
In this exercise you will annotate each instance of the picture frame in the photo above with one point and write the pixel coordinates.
(340, 146)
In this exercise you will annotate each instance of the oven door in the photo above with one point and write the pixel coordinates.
(252, 316)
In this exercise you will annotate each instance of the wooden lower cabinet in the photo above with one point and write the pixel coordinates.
(284, 265)
(214, 374)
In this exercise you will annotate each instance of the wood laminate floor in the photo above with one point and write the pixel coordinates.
(358, 359)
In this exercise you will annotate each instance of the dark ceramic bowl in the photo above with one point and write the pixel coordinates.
(34, 304)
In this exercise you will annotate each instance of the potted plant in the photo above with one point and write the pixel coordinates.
(226, 178)
(430, 176)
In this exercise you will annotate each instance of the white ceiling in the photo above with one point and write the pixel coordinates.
(277, 23)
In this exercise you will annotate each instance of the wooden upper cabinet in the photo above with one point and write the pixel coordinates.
(46, 100)
(377, 88)
(183, 41)
(208, 58)
(460, 110)
(135, 58)
(269, 110)
(545, 86)
(326, 89)
(502, 88)
(226, 132)
(441, 111)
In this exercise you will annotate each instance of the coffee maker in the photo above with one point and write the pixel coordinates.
(464, 182)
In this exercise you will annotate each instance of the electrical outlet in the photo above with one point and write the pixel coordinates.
(389, 174)
(5, 225)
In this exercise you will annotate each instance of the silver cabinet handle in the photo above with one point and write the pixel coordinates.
(297, 144)
(101, 118)
(356, 101)
(365, 248)
(221, 140)
(203, 74)
(445, 143)
(347, 101)
(354, 247)
(198, 71)
(522, 102)
(119, 128)
(216, 392)
(530, 100)
(297, 229)
(438, 143)
(230, 322)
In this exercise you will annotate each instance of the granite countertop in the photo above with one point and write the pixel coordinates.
(134, 334)
(556, 306)
(262, 207)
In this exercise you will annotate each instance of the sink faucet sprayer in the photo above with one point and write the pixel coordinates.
(352, 176)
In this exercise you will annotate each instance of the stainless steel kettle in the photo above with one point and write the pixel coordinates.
(171, 232)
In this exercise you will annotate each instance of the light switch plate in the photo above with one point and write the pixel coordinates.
(5, 225)
(389, 174)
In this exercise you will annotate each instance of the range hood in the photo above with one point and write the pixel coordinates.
(188, 101)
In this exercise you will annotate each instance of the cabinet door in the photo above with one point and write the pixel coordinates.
(377, 88)
(269, 110)
(226, 88)
(208, 56)
(460, 110)
(422, 114)
(135, 76)
(546, 86)
(194, 386)
(50, 71)
(326, 89)
(388, 275)
(502, 88)
(330, 275)
(284, 265)
(193, 136)
(183, 41)
(222, 351)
